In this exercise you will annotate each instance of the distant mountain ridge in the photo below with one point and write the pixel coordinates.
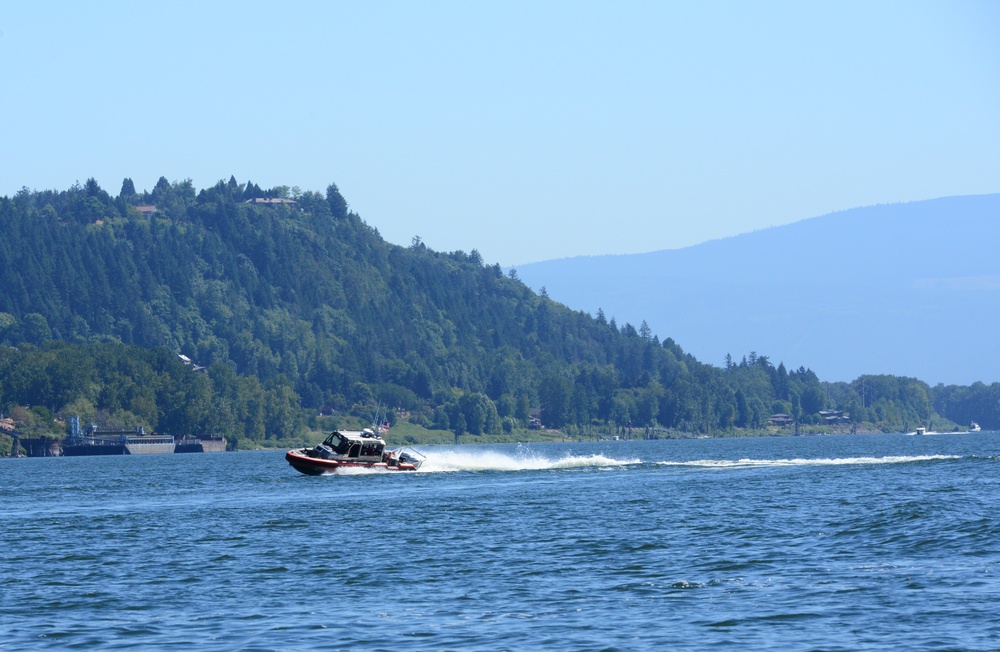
(909, 289)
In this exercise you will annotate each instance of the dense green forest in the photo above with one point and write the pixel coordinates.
(117, 384)
(291, 306)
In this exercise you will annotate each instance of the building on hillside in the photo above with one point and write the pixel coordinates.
(834, 416)
(194, 367)
(272, 201)
(781, 419)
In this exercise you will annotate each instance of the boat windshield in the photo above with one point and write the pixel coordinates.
(339, 443)
(355, 446)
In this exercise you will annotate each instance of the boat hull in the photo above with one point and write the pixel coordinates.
(150, 448)
(316, 466)
(80, 450)
(200, 444)
(128, 448)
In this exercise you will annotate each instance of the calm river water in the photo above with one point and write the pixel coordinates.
(807, 543)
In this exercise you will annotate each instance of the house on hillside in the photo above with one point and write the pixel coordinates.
(272, 201)
(146, 210)
(188, 362)
(833, 416)
(781, 419)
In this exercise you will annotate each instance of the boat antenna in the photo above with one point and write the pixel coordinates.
(379, 423)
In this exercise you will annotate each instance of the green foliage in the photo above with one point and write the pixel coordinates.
(121, 385)
(297, 308)
(978, 403)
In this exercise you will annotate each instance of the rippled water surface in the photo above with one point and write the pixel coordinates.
(827, 543)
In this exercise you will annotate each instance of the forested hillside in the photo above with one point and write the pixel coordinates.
(292, 305)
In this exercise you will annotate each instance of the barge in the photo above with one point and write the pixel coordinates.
(201, 444)
(116, 441)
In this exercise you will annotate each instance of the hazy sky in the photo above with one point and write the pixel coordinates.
(526, 130)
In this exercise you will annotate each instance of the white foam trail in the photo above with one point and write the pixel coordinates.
(841, 461)
(485, 460)
(360, 470)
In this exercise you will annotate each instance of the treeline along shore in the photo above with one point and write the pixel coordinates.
(266, 315)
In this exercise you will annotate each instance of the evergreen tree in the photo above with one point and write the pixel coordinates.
(128, 189)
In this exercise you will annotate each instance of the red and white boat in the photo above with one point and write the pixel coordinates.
(345, 449)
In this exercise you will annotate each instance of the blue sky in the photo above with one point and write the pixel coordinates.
(526, 130)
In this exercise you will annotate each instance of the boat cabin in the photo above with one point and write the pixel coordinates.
(363, 446)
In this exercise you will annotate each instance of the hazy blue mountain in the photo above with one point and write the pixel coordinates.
(908, 289)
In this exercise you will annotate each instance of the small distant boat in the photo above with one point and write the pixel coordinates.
(921, 431)
(974, 427)
(345, 449)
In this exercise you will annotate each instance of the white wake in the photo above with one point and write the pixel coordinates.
(839, 461)
(484, 460)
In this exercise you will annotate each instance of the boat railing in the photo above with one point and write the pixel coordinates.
(150, 439)
(89, 440)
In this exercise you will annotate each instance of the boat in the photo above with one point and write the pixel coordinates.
(346, 449)
(974, 427)
(116, 441)
(921, 431)
(201, 444)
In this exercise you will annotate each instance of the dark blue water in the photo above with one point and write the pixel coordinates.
(826, 543)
